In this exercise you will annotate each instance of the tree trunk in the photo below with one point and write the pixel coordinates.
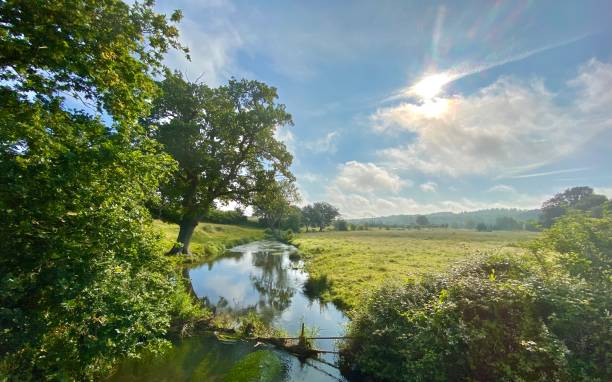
(187, 226)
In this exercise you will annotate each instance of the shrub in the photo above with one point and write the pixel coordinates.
(528, 317)
(341, 225)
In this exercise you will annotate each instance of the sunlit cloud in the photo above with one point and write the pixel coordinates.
(361, 177)
(429, 187)
(430, 86)
(432, 83)
(507, 129)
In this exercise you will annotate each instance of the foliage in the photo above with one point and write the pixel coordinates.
(293, 220)
(497, 317)
(354, 263)
(506, 223)
(583, 245)
(422, 220)
(309, 216)
(223, 140)
(236, 216)
(466, 219)
(340, 225)
(482, 227)
(274, 205)
(82, 281)
(576, 198)
(319, 214)
(100, 52)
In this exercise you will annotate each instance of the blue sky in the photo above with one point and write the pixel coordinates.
(416, 107)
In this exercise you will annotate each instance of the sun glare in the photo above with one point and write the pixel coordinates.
(430, 86)
(434, 108)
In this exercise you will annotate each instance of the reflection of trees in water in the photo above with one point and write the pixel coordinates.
(273, 284)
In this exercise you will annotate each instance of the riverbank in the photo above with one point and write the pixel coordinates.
(210, 241)
(345, 267)
(255, 296)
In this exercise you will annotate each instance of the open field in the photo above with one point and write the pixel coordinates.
(345, 266)
(210, 240)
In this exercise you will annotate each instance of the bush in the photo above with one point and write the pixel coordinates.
(542, 317)
(226, 217)
(341, 225)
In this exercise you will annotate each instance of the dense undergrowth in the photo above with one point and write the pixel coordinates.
(539, 316)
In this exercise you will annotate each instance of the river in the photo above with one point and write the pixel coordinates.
(262, 276)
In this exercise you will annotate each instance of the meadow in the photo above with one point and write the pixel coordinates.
(346, 266)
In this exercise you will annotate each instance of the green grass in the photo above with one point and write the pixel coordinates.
(210, 240)
(345, 266)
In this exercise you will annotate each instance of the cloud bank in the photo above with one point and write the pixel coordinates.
(510, 124)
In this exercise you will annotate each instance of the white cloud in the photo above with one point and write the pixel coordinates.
(360, 177)
(507, 125)
(213, 44)
(502, 188)
(353, 205)
(309, 177)
(326, 144)
(429, 187)
(594, 88)
(284, 134)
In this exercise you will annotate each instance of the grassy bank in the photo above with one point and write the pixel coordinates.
(210, 240)
(345, 266)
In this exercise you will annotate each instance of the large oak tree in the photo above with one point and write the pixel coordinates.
(224, 142)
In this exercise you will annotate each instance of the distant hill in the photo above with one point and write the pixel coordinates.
(457, 220)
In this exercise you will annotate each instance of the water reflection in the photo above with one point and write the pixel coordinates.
(264, 277)
(258, 276)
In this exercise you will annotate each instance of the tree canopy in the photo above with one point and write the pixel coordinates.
(422, 220)
(223, 140)
(319, 214)
(576, 198)
(276, 204)
(76, 252)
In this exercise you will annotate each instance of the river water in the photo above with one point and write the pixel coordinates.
(262, 276)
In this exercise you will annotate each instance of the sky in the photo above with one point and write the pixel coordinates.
(404, 107)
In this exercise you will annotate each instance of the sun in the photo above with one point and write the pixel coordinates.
(430, 86)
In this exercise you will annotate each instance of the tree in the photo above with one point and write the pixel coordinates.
(275, 204)
(341, 225)
(293, 220)
(482, 227)
(223, 140)
(309, 216)
(422, 220)
(506, 223)
(578, 198)
(323, 214)
(83, 283)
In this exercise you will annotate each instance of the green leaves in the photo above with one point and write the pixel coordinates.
(83, 281)
(101, 52)
(497, 318)
(223, 140)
